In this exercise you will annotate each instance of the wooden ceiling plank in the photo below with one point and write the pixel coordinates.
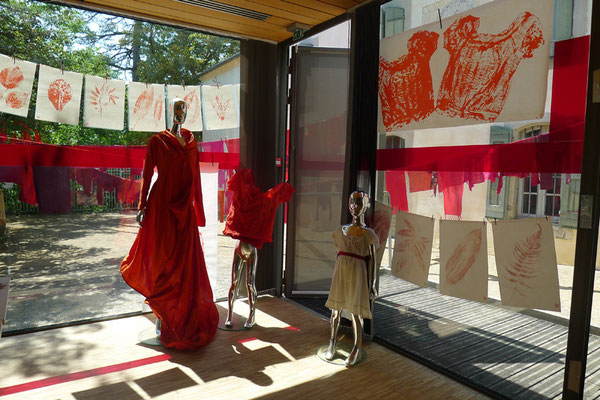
(276, 12)
(319, 6)
(294, 8)
(208, 23)
(346, 4)
(279, 21)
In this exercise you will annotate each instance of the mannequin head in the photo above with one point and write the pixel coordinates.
(358, 203)
(178, 111)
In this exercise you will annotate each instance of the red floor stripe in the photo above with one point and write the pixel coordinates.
(81, 375)
(247, 340)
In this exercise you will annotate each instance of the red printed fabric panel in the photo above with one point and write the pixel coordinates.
(475, 70)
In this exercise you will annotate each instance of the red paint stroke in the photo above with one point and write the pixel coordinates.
(144, 103)
(247, 340)
(16, 100)
(59, 94)
(220, 106)
(103, 97)
(292, 328)
(10, 78)
(405, 85)
(82, 375)
(158, 110)
(463, 257)
(481, 66)
(193, 103)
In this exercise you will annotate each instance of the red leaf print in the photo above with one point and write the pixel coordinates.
(59, 93)
(193, 103)
(144, 103)
(463, 257)
(477, 79)
(103, 97)
(16, 100)
(410, 248)
(11, 77)
(158, 110)
(220, 106)
(524, 266)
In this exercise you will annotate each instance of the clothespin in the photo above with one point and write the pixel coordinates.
(183, 83)
(495, 221)
(483, 221)
(146, 85)
(440, 18)
(106, 75)
(62, 66)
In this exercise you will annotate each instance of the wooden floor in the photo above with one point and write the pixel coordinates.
(515, 355)
(275, 359)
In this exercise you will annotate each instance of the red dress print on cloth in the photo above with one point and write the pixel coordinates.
(477, 79)
(11, 78)
(59, 94)
(405, 85)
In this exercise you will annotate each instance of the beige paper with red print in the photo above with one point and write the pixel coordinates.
(412, 248)
(463, 260)
(191, 95)
(16, 82)
(146, 107)
(476, 69)
(58, 96)
(219, 106)
(104, 103)
(526, 263)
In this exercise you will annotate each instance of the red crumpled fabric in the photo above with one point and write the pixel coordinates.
(252, 212)
(166, 262)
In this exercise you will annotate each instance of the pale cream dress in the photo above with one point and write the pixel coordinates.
(349, 285)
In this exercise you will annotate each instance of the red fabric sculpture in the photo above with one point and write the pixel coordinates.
(166, 262)
(477, 79)
(252, 213)
(405, 85)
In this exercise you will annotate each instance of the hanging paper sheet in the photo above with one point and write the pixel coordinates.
(16, 77)
(104, 103)
(58, 95)
(412, 249)
(209, 232)
(477, 69)
(526, 263)
(463, 259)
(146, 107)
(220, 111)
(191, 96)
(381, 226)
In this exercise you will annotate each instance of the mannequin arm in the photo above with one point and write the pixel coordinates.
(373, 270)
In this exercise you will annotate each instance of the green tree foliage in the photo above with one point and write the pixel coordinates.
(101, 45)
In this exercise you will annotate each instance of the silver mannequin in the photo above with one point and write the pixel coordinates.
(245, 257)
(178, 111)
(358, 205)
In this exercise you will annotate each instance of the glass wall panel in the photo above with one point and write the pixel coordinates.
(319, 143)
(69, 192)
(504, 347)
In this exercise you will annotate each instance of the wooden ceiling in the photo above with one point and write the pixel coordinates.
(256, 19)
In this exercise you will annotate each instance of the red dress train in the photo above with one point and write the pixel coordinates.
(166, 262)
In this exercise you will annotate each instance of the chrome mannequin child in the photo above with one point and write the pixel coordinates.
(245, 258)
(354, 276)
(178, 110)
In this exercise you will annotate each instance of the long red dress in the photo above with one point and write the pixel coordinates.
(166, 262)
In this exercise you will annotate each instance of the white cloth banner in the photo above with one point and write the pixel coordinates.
(412, 248)
(58, 95)
(210, 192)
(4, 284)
(488, 64)
(146, 107)
(191, 95)
(463, 260)
(219, 106)
(104, 103)
(526, 263)
(16, 77)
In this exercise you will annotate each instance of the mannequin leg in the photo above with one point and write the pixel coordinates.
(357, 330)
(251, 286)
(335, 324)
(236, 274)
(158, 326)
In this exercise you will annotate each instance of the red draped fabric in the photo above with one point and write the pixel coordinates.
(166, 262)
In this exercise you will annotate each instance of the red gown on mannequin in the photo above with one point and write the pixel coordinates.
(166, 262)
